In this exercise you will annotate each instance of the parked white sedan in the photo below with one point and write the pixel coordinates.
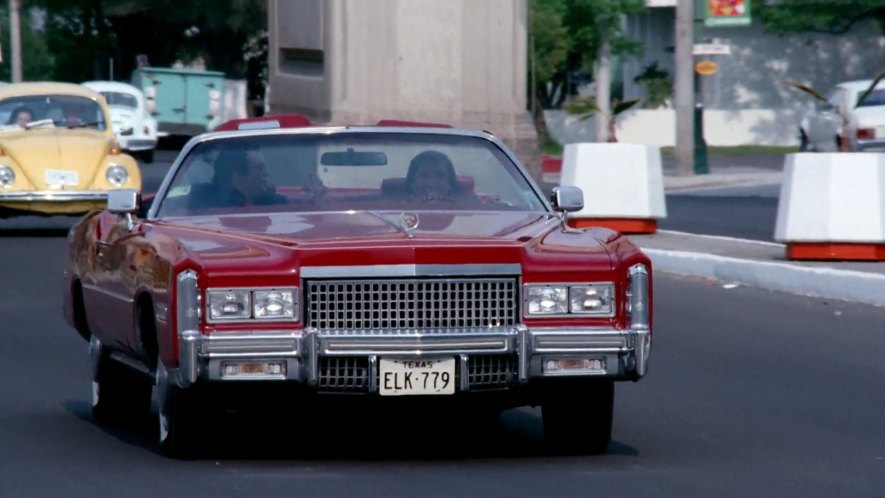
(821, 130)
(135, 128)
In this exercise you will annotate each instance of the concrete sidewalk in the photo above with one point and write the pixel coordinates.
(754, 263)
(764, 265)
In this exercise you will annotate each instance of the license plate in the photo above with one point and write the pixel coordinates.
(60, 177)
(416, 377)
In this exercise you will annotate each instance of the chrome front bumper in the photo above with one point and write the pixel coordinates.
(53, 196)
(624, 353)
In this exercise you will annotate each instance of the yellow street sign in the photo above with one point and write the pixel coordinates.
(705, 68)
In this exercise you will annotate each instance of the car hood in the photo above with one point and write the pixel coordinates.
(37, 150)
(871, 116)
(122, 115)
(281, 241)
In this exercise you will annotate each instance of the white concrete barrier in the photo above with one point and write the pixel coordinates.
(623, 185)
(832, 206)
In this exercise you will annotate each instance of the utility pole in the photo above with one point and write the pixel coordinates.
(15, 45)
(684, 87)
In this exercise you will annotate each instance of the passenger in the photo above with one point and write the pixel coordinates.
(240, 179)
(21, 116)
(431, 177)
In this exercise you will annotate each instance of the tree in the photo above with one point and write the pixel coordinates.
(586, 107)
(577, 35)
(37, 61)
(820, 16)
(166, 31)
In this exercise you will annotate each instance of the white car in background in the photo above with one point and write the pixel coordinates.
(133, 125)
(845, 105)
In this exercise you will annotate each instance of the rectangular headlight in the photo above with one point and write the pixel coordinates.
(546, 299)
(233, 304)
(592, 299)
(274, 304)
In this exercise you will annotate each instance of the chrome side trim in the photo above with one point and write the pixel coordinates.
(465, 373)
(131, 362)
(524, 358)
(187, 324)
(413, 345)
(409, 270)
(251, 345)
(54, 195)
(602, 341)
(638, 308)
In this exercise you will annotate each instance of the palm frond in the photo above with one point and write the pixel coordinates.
(623, 105)
(872, 87)
(807, 89)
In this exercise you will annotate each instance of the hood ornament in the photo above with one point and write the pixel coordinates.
(408, 222)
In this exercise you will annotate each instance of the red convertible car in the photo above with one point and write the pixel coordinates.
(377, 265)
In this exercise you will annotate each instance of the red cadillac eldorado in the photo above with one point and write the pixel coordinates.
(379, 262)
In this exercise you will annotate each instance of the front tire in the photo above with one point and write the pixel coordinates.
(577, 417)
(119, 394)
(177, 416)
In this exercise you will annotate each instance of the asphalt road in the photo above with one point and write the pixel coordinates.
(750, 393)
(744, 213)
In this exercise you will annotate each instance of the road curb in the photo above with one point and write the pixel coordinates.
(827, 283)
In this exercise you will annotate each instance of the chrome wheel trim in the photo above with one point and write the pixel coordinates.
(96, 389)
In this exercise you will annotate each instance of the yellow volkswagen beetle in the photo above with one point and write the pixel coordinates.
(58, 154)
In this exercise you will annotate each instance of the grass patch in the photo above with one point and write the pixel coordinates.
(550, 147)
(738, 150)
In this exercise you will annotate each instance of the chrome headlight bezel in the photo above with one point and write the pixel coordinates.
(565, 297)
(117, 175)
(252, 304)
(7, 176)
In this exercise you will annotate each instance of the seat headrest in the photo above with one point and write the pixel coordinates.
(397, 186)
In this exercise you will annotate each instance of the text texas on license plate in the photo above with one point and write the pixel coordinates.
(418, 376)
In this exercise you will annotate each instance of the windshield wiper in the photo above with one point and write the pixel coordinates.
(86, 124)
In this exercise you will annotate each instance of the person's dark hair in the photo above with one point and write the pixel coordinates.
(433, 157)
(17, 112)
(228, 162)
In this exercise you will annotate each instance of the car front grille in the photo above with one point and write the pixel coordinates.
(386, 305)
(351, 374)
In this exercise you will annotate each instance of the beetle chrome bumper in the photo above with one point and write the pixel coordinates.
(621, 354)
(54, 196)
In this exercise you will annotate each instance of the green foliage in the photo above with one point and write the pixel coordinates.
(585, 107)
(658, 87)
(566, 35)
(86, 34)
(821, 16)
(37, 61)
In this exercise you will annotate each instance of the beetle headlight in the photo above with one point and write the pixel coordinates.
(270, 304)
(229, 304)
(564, 299)
(595, 299)
(546, 299)
(7, 176)
(117, 175)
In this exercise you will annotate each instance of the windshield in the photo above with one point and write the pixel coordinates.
(876, 97)
(347, 171)
(64, 110)
(121, 99)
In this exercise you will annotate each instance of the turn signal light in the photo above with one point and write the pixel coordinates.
(566, 365)
(114, 149)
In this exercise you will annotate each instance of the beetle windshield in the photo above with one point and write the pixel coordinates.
(121, 99)
(64, 110)
(347, 171)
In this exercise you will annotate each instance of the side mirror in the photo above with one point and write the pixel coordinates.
(124, 201)
(567, 199)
